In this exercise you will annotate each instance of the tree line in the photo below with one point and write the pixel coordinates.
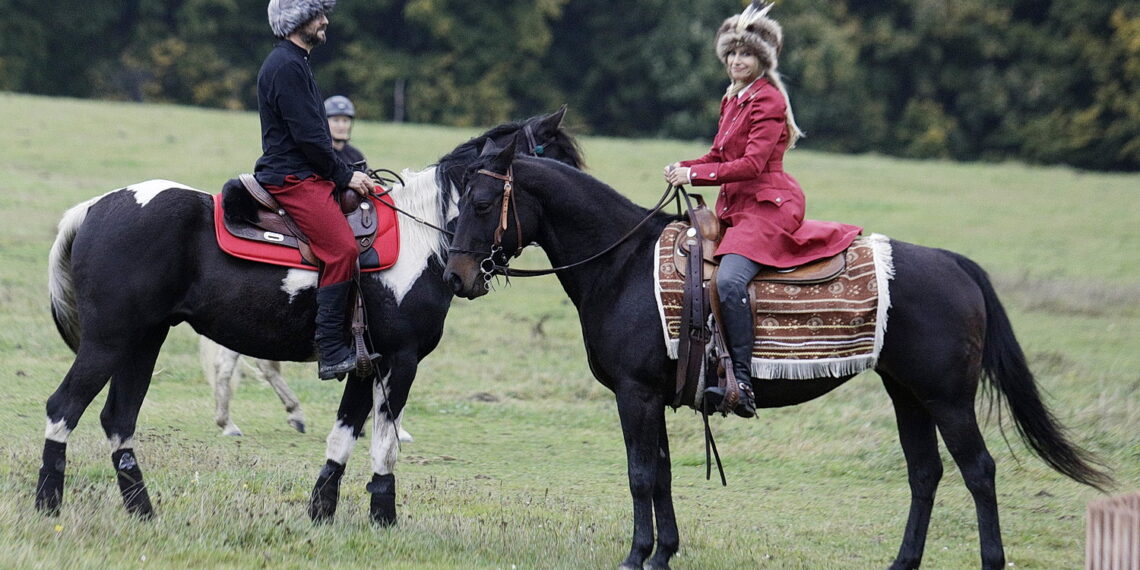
(1044, 81)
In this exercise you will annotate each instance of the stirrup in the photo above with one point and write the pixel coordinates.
(714, 399)
(363, 364)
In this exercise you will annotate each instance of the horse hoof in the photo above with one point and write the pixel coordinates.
(298, 425)
(232, 431)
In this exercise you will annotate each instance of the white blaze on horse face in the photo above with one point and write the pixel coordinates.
(297, 280)
(385, 431)
(146, 191)
(57, 431)
(340, 443)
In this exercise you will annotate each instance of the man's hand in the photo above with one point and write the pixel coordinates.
(361, 183)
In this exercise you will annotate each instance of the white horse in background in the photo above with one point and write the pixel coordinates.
(220, 366)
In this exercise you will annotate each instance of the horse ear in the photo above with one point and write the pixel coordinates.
(506, 157)
(553, 121)
(488, 148)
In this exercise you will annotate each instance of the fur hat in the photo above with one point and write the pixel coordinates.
(285, 16)
(753, 30)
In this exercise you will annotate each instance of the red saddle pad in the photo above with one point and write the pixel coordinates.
(386, 246)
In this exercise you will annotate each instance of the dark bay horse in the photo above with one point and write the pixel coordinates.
(947, 331)
(128, 265)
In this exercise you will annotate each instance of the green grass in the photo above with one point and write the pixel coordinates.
(518, 460)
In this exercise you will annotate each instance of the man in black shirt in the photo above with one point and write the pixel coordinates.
(299, 167)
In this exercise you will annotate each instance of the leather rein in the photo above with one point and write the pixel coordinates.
(489, 267)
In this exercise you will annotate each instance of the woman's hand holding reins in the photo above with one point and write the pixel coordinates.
(677, 175)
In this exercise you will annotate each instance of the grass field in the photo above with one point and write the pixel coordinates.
(518, 460)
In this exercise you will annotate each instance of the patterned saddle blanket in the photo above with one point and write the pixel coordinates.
(812, 329)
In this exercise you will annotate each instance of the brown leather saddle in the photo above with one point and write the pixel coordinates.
(252, 213)
(706, 227)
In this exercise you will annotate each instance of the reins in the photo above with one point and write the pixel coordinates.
(490, 267)
(536, 149)
(375, 175)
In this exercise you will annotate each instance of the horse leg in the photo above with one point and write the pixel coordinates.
(959, 428)
(88, 374)
(389, 397)
(120, 415)
(220, 366)
(924, 470)
(354, 406)
(668, 540)
(642, 414)
(270, 371)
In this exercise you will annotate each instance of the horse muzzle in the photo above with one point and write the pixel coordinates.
(463, 276)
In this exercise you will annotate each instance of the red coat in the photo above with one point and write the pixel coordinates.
(762, 205)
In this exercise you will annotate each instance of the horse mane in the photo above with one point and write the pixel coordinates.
(553, 174)
(453, 165)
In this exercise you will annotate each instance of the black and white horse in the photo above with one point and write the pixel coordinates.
(128, 265)
(947, 332)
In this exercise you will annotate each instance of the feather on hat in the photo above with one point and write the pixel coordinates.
(753, 30)
(285, 16)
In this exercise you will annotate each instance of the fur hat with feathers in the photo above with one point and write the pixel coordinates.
(285, 16)
(753, 30)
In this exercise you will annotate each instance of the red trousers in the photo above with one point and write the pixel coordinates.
(311, 204)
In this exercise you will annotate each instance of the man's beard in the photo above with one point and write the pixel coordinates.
(313, 39)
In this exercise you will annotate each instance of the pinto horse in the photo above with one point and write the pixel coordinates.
(128, 265)
(947, 332)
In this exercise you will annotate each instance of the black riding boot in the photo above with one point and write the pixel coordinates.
(736, 324)
(335, 357)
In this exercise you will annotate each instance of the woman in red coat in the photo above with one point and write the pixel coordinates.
(761, 206)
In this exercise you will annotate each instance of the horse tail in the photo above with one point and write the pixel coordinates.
(1005, 368)
(61, 286)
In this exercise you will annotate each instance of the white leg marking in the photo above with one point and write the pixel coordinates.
(385, 441)
(340, 443)
(117, 444)
(57, 431)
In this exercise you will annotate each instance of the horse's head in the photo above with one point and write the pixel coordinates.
(495, 222)
(542, 136)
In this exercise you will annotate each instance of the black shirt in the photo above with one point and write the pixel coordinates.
(352, 156)
(295, 136)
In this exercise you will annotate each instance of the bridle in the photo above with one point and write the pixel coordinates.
(489, 267)
(378, 175)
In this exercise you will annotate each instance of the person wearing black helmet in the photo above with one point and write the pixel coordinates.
(341, 113)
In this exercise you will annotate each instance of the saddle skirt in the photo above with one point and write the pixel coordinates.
(827, 323)
(248, 231)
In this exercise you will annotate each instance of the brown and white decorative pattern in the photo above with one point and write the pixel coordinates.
(834, 328)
